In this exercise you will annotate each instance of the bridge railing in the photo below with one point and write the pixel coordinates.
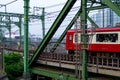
(106, 62)
(103, 62)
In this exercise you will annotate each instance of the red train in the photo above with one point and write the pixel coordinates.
(102, 40)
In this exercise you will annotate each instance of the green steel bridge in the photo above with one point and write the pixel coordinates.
(62, 66)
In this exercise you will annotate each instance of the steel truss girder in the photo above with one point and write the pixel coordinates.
(92, 22)
(53, 74)
(53, 29)
(72, 22)
(64, 33)
(96, 7)
(14, 15)
(46, 72)
(112, 6)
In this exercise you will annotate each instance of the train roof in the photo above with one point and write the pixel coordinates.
(110, 29)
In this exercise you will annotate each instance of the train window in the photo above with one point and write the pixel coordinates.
(111, 55)
(87, 38)
(93, 54)
(77, 38)
(70, 37)
(112, 37)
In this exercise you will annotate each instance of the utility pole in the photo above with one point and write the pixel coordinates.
(36, 9)
(83, 40)
(20, 31)
(26, 51)
(43, 21)
(9, 28)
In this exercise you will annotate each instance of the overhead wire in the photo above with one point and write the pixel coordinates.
(47, 14)
(55, 5)
(8, 3)
(11, 2)
(54, 14)
(60, 10)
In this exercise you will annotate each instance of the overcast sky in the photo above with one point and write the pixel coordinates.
(35, 27)
(18, 4)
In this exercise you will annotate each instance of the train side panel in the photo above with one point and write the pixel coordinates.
(103, 40)
(104, 47)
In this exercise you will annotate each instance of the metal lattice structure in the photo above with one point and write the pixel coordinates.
(84, 10)
(83, 13)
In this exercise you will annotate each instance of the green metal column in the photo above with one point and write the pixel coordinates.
(20, 33)
(9, 29)
(43, 21)
(1, 35)
(20, 30)
(84, 32)
(26, 11)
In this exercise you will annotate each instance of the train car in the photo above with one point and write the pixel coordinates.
(98, 40)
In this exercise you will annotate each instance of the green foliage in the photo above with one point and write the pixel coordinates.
(13, 65)
(12, 58)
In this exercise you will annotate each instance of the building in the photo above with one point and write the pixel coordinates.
(105, 18)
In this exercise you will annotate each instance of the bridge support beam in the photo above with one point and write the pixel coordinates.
(92, 22)
(26, 11)
(53, 74)
(83, 40)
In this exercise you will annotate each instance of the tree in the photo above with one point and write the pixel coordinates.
(13, 65)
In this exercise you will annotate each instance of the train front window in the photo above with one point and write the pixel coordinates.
(70, 37)
(112, 37)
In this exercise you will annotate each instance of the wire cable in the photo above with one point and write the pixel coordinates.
(8, 3)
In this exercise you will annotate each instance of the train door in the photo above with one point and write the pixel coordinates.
(76, 41)
(70, 40)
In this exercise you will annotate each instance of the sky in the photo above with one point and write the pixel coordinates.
(17, 6)
(52, 9)
(51, 6)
